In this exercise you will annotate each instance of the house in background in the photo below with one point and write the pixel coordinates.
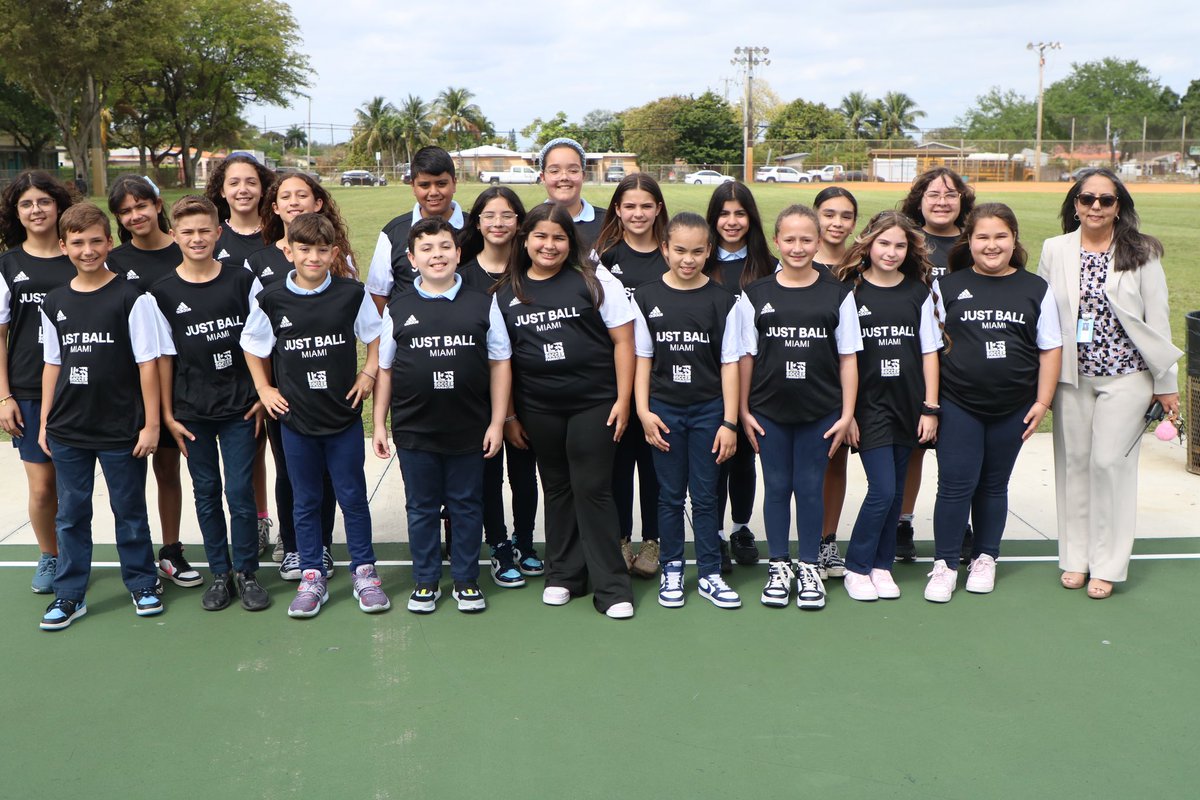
(13, 159)
(490, 158)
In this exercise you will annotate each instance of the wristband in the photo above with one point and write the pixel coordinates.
(930, 411)
(730, 425)
(510, 419)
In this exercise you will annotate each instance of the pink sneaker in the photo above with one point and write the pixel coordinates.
(859, 586)
(885, 585)
(942, 583)
(981, 575)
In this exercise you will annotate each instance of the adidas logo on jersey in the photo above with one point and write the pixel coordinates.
(514, 302)
(285, 322)
(412, 320)
(615, 269)
(767, 309)
(654, 314)
(132, 276)
(61, 316)
(864, 312)
(20, 276)
(965, 294)
(182, 309)
(223, 254)
(267, 271)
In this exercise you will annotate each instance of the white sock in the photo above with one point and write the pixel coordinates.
(721, 534)
(906, 517)
(737, 526)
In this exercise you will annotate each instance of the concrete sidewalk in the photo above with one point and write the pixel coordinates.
(1167, 503)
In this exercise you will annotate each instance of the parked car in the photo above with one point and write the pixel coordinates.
(517, 174)
(297, 171)
(781, 175)
(828, 173)
(855, 175)
(361, 177)
(1073, 176)
(706, 176)
(614, 174)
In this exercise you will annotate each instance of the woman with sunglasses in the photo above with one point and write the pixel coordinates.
(1108, 282)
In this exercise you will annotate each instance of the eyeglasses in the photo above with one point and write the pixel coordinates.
(937, 197)
(1088, 200)
(492, 216)
(41, 202)
(574, 172)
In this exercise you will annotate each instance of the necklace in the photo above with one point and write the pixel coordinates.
(233, 228)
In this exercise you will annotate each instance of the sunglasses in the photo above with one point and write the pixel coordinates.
(1088, 199)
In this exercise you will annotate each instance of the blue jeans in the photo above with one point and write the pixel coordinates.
(689, 467)
(237, 447)
(125, 475)
(872, 543)
(794, 458)
(342, 456)
(975, 457)
(431, 480)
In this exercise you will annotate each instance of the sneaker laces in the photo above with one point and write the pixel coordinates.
(807, 576)
(780, 575)
(717, 584)
(60, 604)
(140, 594)
(368, 579)
(672, 580)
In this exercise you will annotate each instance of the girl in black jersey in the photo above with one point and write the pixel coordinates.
(148, 254)
(238, 189)
(799, 379)
(998, 377)
(837, 213)
(285, 200)
(631, 246)
(939, 201)
(897, 387)
(487, 242)
(572, 339)
(687, 342)
(32, 265)
(741, 257)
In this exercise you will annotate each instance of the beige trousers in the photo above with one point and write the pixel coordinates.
(1096, 483)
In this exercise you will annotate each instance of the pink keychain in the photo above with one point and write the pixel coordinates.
(1166, 431)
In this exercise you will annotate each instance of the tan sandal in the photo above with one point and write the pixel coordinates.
(1073, 580)
(1099, 589)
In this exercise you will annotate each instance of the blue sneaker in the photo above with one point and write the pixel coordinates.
(61, 613)
(670, 585)
(504, 567)
(43, 576)
(527, 561)
(146, 602)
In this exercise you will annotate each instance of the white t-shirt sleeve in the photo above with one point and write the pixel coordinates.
(748, 334)
(166, 342)
(615, 310)
(931, 332)
(379, 274)
(51, 353)
(367, 325)
(387, 344)
(1049, 329)
(731, 341)
(848, 333)
(643, 343)
(257, 337)
(498, 343)
(145, 330)
(941, 305)
(5, 303)
(255, 287)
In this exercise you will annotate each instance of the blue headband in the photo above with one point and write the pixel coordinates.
(562, 141)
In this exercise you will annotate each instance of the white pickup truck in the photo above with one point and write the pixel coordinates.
(827, 173)
(521, 174)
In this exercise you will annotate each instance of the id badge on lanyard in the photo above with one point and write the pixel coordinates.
(1085, 330)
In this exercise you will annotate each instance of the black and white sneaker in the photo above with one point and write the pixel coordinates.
(469, 597)
(504, 567)
(61, 613)
(327, 562)
(423, 599)
(830, 563)
(810, 592)
(778, 590)
(906, 548)
(528, 561)
(964, 554)
(745, 551)
(174, 567)
(264, 534)
(718, 592)
(289, 569)
(726, 561)
(146, 602)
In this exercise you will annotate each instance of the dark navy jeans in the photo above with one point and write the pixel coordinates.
(433, 481)
(237, 445)
(873, 543)
(794, 458)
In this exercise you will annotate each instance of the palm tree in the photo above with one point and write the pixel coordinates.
(414, 124)
(295, 137)
(456, 115)
(898, 115)
(372, 126)
(856, 108)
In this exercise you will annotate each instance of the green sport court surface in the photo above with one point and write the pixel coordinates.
(1030, 692)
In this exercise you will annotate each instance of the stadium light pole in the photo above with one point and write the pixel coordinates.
(748, 58)
(1041, 48)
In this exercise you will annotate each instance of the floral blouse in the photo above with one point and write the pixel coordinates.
(1111, 352)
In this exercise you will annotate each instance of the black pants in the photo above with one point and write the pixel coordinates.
(737, 483)
(284, 500)
(522, 479)
(634, 451)
(575, 456)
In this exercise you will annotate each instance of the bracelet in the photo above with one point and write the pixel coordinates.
(510, 419)
(730, 425)
(369, 375)
(4, 400)
(930, 411)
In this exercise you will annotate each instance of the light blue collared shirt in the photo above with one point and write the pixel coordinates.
(449, 294)
(725, 255)
(294, 289)
(456, 218)
(587, 213)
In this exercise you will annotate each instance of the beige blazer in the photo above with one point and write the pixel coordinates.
(1138, 298)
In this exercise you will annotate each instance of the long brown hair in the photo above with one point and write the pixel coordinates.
(272, 223)
(858, 258)
(1131, 248)
(759, 261)
(612, 232)
(216, 183)
(519, 261)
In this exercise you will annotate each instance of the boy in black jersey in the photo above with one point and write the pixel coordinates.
(307, 326)
(208, 397)
(450, 351)
(100, 398)
(686, 339)
(433, 185)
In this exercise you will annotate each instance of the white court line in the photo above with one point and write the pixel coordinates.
(390, 563)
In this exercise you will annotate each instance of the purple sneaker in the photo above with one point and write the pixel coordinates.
(371, 598)
(311, 594)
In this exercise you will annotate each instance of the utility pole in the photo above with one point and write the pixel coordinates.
(1041, 48)
(748, 58)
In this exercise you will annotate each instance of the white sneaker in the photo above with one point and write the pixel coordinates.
(810, 591)
(778, 590)
(942, 583)
(556, 595)
(981, 575)
(619, 611)
(885, 584)
(670, 585)
(860, 587)
(714, 588)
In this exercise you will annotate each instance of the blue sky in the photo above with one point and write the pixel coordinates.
(525, 59)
